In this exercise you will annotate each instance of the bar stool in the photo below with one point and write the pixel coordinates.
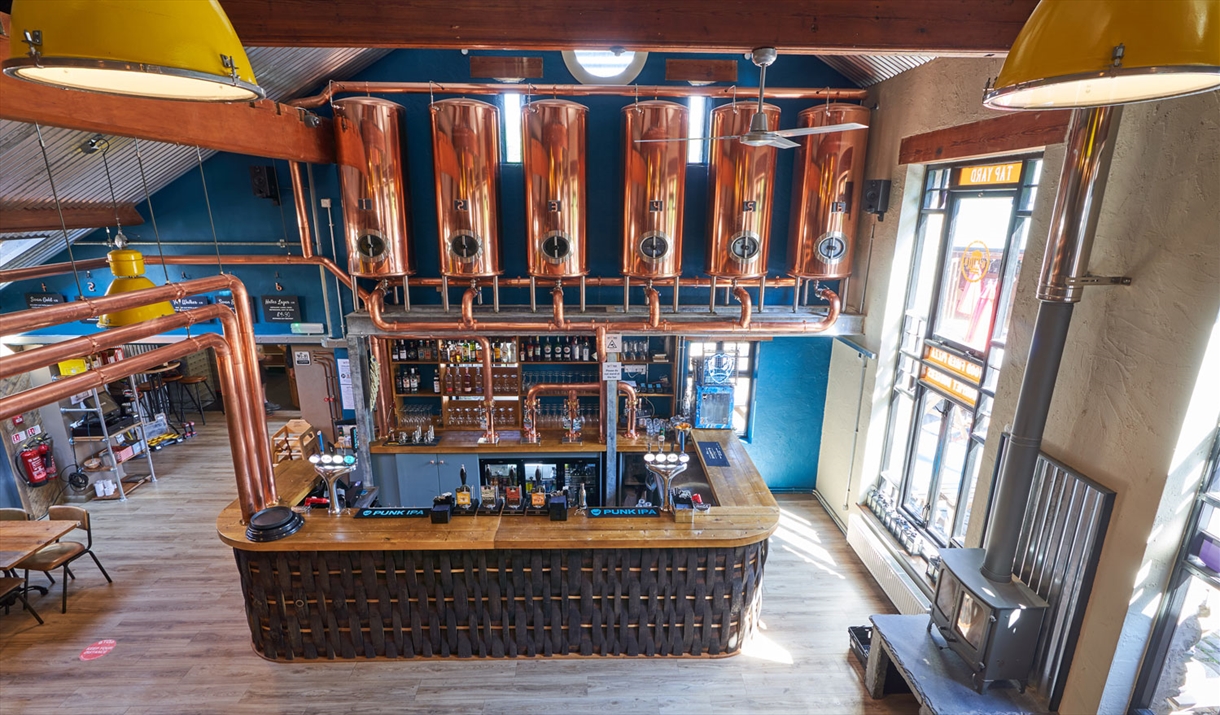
(188, 388)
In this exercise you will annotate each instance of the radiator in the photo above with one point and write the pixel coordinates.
(885, 568)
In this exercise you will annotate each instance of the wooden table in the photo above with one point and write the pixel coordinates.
(19, 539)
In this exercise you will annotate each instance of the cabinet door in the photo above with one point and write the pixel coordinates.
(449, 467)
(417, 481)
(385, 476)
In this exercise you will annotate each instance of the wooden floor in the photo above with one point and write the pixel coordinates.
(183, 647)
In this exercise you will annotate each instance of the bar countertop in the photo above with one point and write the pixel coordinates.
(747, 514)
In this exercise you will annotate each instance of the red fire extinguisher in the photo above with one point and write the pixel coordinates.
(36, 462)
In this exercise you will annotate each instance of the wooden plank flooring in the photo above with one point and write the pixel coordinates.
(183, 646)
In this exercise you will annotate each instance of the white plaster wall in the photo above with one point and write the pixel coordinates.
(1133, 355)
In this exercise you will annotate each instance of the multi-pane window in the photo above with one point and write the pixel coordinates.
(743, 383)
(973, 226)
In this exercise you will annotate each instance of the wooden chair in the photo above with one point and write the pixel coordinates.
(16, 587)
(63, 553)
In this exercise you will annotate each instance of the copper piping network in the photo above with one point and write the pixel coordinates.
(579, 388)
(242, 339)
(298, 198)
(89, 264)
(237, 417)
(566, 90)
(251, 496)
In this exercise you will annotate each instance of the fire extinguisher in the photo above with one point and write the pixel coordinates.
(36, 461)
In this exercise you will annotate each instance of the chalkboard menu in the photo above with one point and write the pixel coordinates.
(281, 309)
(190, 302)
(42, 300)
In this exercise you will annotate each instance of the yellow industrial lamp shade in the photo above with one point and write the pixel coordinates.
(128, 269)
(163, 49)
(1092, 53)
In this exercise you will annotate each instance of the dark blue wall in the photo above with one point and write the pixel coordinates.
(792, 371)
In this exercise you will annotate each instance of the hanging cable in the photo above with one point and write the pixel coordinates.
(152, 216)
(63, 225)
(114, 201)
(208, 202)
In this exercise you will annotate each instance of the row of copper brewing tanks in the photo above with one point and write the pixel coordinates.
(371, 151)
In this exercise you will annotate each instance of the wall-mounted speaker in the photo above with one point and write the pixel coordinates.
(264, 183)
(876, 197)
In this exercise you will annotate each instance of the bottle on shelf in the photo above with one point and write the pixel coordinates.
(436, 382)
(548, 355)
(478, 381)
(467, 387)
(567, 349)
(496, 353)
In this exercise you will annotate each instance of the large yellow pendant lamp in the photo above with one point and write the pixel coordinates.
(162, 49)
(127, 265)
(1092, 53)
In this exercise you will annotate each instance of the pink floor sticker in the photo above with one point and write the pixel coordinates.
(97, 650)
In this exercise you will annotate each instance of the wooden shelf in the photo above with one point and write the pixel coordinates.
(560, 362)
(414, 362)
(421, 393)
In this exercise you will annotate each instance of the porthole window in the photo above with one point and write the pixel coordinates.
(604, 66)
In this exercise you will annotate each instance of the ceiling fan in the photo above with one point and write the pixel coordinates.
(758, 134)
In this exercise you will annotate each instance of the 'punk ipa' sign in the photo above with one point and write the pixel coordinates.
(281, 309)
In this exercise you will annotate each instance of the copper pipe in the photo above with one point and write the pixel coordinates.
(557, 304)
(566, 90)
(383, 415)
(245, 353)
(250, 497)
(468, 298)
(298, 198)
(743, 297)
(632, 402)
(51, 269)
(239, 436)
(654, 307)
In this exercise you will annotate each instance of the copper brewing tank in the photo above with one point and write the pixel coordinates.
(370, 150)
(654, 176)
(466, 156)
(554, 165)
(827, 180)
(741, 181)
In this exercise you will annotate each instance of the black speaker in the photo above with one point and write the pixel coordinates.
(877, 197)
(264, 183)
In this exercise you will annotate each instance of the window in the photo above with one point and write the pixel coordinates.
(604, 66)
(973, 226)
(1180, 672)
(696, 152)
(743, 382)
(512, 128)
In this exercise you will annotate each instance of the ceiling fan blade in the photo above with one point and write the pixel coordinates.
(688, 139)
(803, 131)
(781, 143)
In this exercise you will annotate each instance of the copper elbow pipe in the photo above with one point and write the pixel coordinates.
(250, 497)
(632, 403)
(468, 298)
(298, 198)
(654, 307)
(743, 297)
(557, 302)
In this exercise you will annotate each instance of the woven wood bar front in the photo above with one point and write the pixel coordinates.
(518, 603)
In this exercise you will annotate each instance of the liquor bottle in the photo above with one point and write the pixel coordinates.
(414, 380)
(467, 387)
(546, 350)
(449, 381)
(497, 355)
(411, 353)
(478, 381)
(567, 349)
(585, 349)
(436, 383)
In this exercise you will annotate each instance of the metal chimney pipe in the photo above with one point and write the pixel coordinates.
(1082, 183)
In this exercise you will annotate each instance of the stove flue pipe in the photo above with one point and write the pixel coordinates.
(1082, 183)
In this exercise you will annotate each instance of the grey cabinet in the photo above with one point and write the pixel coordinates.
(414, 479)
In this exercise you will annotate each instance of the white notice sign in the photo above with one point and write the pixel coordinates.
(614, 342)
(345, 383)
(612, 371)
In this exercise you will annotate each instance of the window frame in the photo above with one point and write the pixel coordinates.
(750, 372)
(940, 197)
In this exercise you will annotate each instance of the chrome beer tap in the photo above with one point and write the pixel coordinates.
(330, 466)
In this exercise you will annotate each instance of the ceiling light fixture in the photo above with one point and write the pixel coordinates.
(184, 50)
(1092, 54)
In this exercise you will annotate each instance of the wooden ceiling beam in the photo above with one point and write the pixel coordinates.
(1004, 134)
(942, 27)
(38, 218)
(263, 128)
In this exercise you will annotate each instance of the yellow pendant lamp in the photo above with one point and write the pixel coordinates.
(1092, 53)
(162, 49)
(128, 268)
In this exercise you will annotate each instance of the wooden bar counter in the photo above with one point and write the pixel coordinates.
(510, 586)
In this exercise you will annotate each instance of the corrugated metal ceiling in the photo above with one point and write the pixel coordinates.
(284, 72)
(867, 70)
